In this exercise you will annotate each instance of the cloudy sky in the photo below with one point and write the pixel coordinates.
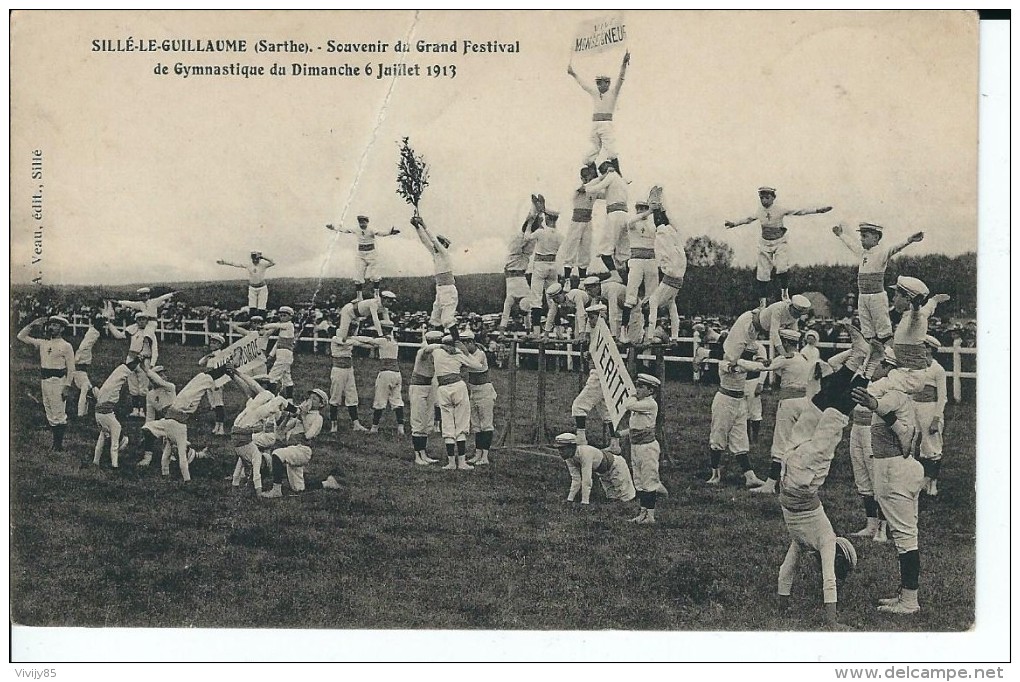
(152, 178)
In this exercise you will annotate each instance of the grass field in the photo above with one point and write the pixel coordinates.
(403, 546)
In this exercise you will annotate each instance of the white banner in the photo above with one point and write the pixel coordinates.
(600, 35)
(245, 354)
(616, 383)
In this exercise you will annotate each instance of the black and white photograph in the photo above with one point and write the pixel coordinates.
(640, 331)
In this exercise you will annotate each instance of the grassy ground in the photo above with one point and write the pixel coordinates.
(403, 546)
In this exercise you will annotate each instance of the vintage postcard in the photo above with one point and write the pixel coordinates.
(410, 327)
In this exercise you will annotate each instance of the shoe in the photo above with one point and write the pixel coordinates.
(475, 457)
(899, 608)
(400, 429)
(933, 488)
(482, 461)
(882, 534)
(332, 427)
(752, 481)
(146, 460)
(463, 465)
(429, 460)
(889, 601)
(637, 519)
(330, 483)
(646, 520)
(272, 494)
(868, 531)
(451, 464)
(715, 479)
(421, 461)
(374, 429)
(123, 442)
(359, 428)
(766, 488)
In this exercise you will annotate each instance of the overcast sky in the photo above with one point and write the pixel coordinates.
(152, 178)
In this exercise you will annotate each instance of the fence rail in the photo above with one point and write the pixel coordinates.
(308, 339)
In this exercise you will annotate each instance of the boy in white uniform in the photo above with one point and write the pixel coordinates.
(930, 405)
(729, 420)
(543, 274)
(107, 397)
(872, 301)
(482, 395)
(388, 383)
(280, 373)
(576, 248)
(290, 461)
(452, 398)
(376, 307)
(672, 261)
(773, 247)
(444, 309)
(253, 430)
(56, 358)
(343, 388)
(149, 306)
(365, 264)
(519, 251)
(765, 323)
(644, 448)
(591, 396)
(258, 290)
(584, 460)
(158, 399)
(641, 266)
(421, 396)
(217, 342)
(603, 97)
(614, 247)
(83, 361)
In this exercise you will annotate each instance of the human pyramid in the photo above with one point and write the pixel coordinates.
(888, 384)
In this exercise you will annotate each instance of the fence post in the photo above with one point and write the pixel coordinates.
(957, 369)
(205, 326)
(162, 329)
(540, 430)
(506, 439)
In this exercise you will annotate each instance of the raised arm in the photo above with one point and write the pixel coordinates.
(809, 211)
(116, 332)
(590, 89)
(220, 262)
(598, 184)
(341, 229)
(743, 221)
(25, 334)
(248, 385)
(157, 379)
(270, 262)
(426, 238)
(392, 231)
(639, 217)
(575, 478)
(855, 248)
(623, 72)
(134, 305)
(896, 248)
(160, 300)
(470, 362)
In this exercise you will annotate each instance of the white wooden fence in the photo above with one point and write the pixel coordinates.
(308, 340)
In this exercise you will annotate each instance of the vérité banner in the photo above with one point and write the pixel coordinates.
(245, 354)
(613, 376)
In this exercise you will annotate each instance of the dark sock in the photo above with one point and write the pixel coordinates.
(334, 412)
(626, 314)
(784, 280)
(376, 416)
(221, 414)
(449, 449)
(775, 469)
(436, 414)
(624, 274)
(461, 448)
(716, 458)
(609, 263)
(455, 333)
(353, 411)
(579, 422)
(536, 317)
(357, 289)
(58, 436)
(279, 469)
(487, 440)
(399, 412)
(754, 429)
(582, 272)
(936, 468)
(870, 506)
(910, 569)
(763, 290)
(566, 273)
(148, 441)
(744, 461)
(649, 502)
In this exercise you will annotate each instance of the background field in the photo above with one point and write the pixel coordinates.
(403, 546)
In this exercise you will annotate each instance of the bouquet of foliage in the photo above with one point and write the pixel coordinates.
(412, 175)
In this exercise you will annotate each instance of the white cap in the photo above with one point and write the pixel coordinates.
(648, 380)
(144, 290)
(467, 335)
(767, 190)
(553, 289)
(322, 395)
(595, 308)
(447, 338)
(142, 313)
(789, 334)
(432, 336)
(801, 302)
(590, 281)
(932, 342)
(565, 439)
(218, 337)
(870, 227)
(911, 286)
(59, 318)
(389, 294)
(811, 333)
(285, 310)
